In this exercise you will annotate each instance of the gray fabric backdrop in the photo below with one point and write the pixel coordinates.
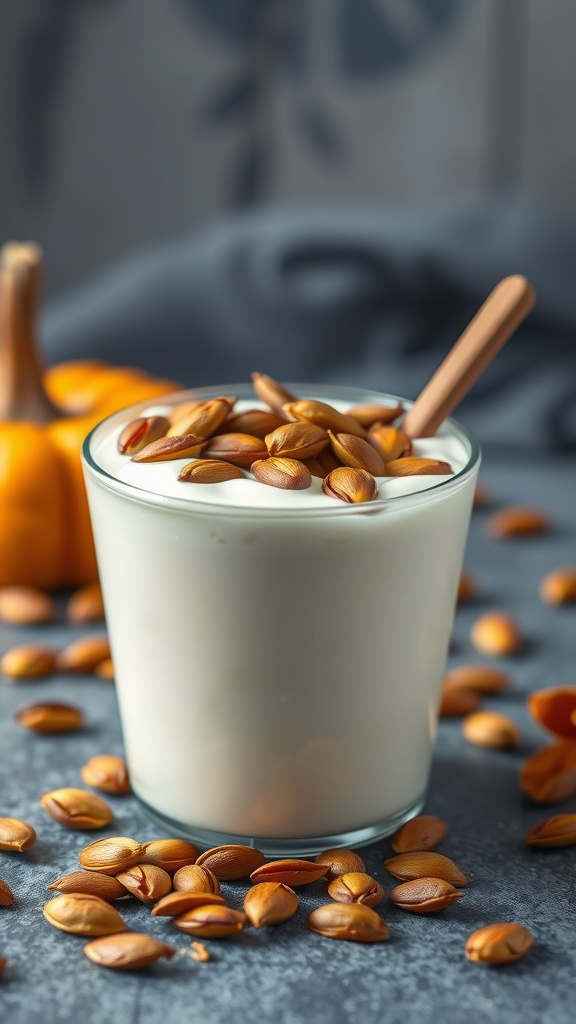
(363, 294)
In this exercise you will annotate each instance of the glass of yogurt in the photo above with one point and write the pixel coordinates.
(278, 653)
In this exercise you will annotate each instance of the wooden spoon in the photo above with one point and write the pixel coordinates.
(504, 310)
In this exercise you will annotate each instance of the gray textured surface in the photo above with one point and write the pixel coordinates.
(286, 974)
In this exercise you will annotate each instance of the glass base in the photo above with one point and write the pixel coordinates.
(305, 846)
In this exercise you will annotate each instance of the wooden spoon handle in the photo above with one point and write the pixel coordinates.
(504, 310)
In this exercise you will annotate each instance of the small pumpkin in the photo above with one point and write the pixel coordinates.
(45, 533)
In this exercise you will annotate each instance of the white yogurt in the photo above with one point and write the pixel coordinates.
(278, 654)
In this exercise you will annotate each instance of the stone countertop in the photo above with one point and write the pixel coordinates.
(286, 974)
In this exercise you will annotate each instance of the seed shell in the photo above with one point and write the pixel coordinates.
(322, 464)
(558, 830)
(239, 449)
(288, 474)
(209, 471)
(499, 943)
(77, 808)
(231, 861)
(409, 466)
(555, 710)
(195, 878)
(83, 914)
(491, 729)
(320, 414)
(257, 422)
(211, 921)
(517, 522)
(407, 866)
(140, 432)
(350, 485)
(16, 835)
(424, 832)
(6, 894)
(367, 414)
(106, 772)
(339, 862)
(186, 446)
(482, 678)
(270, 903)
(93, 883)
(147, 882)
(424, 895)
(391, 443)
(170, 854)
(271, 392)
(127, 952)
(457, 700)
(49, 717)
(85, 605)
(357, 453)
(559, 586)
(296, 441)
(549, 775)
(351, 922)
(28, 661)
(496, 634)
(203, 419)
(176, 903)
(292, 872)
(111, 855)
(356, 887)
(105, 669)
(84, 654)
(26, 606)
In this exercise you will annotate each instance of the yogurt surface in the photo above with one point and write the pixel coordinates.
(162, 477)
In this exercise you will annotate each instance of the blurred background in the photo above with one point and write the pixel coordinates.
(413, 151)
(130, 121)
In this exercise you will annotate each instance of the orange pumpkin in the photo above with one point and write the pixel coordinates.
(45, 533)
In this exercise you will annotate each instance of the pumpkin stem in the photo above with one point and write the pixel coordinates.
(22, 394)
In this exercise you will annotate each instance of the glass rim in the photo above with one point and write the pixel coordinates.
(322, 392)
